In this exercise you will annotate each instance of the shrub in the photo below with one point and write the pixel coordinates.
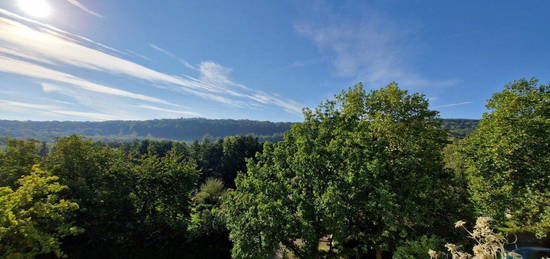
(489, 244)
(416, 249)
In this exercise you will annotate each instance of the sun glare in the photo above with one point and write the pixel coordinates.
(36, 8)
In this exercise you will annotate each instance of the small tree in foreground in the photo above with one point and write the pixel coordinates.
(33, 218)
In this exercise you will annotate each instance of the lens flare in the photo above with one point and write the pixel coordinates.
(35, 8)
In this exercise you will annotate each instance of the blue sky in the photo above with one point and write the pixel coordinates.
(262, 60)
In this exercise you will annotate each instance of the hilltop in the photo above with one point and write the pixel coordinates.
(174, 129)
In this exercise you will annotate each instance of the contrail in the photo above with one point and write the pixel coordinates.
(84, 8)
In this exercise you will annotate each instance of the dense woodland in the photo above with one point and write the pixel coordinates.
(366, 174)
(172, 129)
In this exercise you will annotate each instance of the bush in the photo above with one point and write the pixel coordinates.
(416, 249)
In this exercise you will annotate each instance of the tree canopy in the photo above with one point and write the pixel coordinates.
(33, 218)
(366, 174)
(344, 176)
(507, 157)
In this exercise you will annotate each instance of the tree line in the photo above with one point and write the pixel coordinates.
(118, 200)
(117, 131)
(171, 129)
(366, 174)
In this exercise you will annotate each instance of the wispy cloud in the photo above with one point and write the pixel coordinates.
(51, 109)
(91, 115)
(42, 52)
(9, 65)
(121, 110)
(172, 55)
(49, 88)
(217, 75)
(138, 55)
(451, 105)
(155, 108)
(304, 63)
(18, 54)
(84, 8)
(27, 105)
(374, 50)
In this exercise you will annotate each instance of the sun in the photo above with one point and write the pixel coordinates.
(35, 8)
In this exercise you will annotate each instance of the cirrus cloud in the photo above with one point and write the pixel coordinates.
(46, 54)
(374, 50)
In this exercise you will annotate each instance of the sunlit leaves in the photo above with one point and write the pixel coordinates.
(508, 157)
(33, 218)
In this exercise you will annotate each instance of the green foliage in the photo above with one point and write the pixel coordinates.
(235, 150)
(454, 159)
(344, 173)
(418, 249)
(365, 173)
(221, 159)
(211, 192)
(207, 229)
(131, 206)
(18, 159)
(458, 191)
(3, 143)
(225, 158)
(162, 202)
(176, 129)
(33, 218)
(207, 218)
(101, 181)
(459, 128)
(163, 190)
(136, 198)
(507, 157)
(405, 140)
(4, 140)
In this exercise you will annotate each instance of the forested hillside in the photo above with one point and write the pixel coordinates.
(174, 129)
(459, 128)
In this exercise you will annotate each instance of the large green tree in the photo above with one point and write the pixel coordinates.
(363, 171)
(508, 157)
(162, 197)
(101, 181)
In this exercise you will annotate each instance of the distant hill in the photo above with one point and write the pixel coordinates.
(175, 129)
(460, 128)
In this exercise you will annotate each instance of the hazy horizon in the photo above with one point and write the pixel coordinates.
(190, 118)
